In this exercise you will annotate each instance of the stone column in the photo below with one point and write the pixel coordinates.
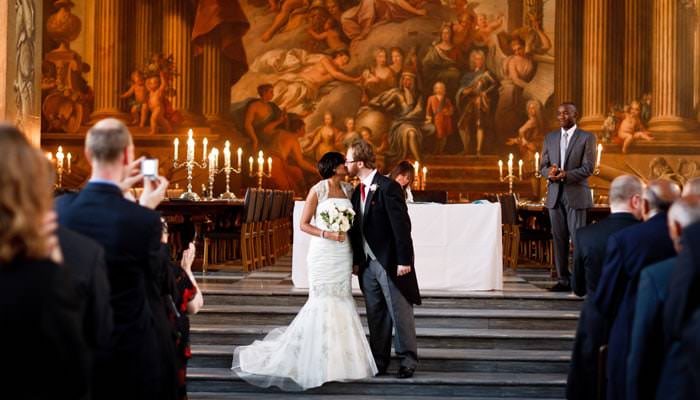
(111, 72)
(213, 81)
(178, 18)
(596, 63)
(147, 30)
(567, 45)
(672, 63)
(4, 57)
(637, 48)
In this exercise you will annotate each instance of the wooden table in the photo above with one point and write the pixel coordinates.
(187, 221)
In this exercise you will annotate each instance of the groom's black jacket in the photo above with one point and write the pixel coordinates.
(387, 229)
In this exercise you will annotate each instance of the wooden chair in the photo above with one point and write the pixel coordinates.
(260, 213)
(269, 217)
(511, 229)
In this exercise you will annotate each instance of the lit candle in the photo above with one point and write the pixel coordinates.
(416, 166)
(240, 153)
(537, 161)
(250, 160)
(215, 151)
(500, 168)
(269, 165)
(49, 156)
(227, 155)
(59, 156)
(70, 157)
(212, 167)
(205, 142)
(520, 169)
(261, 161)
(510, 164)
(600, 152)
(425, 177)
(176, 142)
(190, 146)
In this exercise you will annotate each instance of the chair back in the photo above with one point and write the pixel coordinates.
(509, 209)
(267, 207)
(249, 204)
(276, 205)
(259, 205)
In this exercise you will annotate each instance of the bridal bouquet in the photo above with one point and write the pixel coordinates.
(338, 219)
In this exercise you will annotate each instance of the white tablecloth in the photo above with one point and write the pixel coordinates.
(457, 247)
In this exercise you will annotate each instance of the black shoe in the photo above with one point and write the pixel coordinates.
(560, 287)
(405, 372)
(380, 372)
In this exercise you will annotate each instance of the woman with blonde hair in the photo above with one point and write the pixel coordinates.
(39, 312)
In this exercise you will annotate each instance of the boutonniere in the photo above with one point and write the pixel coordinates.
(373, 187)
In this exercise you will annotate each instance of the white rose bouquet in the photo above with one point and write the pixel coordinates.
(338, 218)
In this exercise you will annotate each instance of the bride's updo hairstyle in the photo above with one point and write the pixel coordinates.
(329, 163)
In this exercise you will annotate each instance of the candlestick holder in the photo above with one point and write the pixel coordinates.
(59, 174)
(190, 165)
(510, 178)
(260, 174)
(228, 195)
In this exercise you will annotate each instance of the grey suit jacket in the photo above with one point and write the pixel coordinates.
(580, 162)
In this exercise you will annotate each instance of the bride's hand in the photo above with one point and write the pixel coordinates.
(337, 236)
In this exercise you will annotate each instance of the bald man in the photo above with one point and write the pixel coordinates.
(629, 252)
(692, 187)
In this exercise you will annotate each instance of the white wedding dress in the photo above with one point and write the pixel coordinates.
(325, 341)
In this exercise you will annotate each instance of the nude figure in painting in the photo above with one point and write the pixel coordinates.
(631, 127)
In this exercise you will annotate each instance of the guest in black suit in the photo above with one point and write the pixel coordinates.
(629, 251)
(44, 353)
(85, 260)
(383, 260)
(647, 353)
(568, 157)
(139, 363)
(591, 241)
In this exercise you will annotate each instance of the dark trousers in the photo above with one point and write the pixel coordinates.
(565, 221)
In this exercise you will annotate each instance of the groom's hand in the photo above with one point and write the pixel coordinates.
(403, 270)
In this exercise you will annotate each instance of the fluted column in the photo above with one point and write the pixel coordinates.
(637, 47)
(596, 62)
(148, 32)
(567, 45)
(213, 76)
(110, 51)
(178, 17)
(672, 82)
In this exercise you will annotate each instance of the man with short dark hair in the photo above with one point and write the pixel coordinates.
(591, 241)
(139, 362)
(568, 157)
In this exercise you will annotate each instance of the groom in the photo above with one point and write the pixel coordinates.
(383, 261)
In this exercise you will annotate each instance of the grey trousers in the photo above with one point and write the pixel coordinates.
(387, 308)
(565, 221)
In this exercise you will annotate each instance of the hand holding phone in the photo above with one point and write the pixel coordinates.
(149, 168)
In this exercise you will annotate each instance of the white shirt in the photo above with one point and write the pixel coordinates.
(367, 182)
(566, 136)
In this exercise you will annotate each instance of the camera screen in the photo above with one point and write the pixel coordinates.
(149, 167)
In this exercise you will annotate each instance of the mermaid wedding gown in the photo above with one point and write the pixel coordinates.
(325, 341)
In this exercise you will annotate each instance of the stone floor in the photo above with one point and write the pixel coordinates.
(513, 343)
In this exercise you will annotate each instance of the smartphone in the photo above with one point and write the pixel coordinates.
(149, 168)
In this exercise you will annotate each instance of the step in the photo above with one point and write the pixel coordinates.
(284, 296)
(433, 360)
(426, 384)
(305, 395)
(425, 317)
(515, 339)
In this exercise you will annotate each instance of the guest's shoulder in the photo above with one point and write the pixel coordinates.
(552, 135)
(385, 183)
(64, 200)
(586, 134)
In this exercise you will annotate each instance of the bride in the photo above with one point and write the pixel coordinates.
(325, 341)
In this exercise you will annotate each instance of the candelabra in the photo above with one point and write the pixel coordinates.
(510, 177)
(60, 170)
(227, 169)
(260, 173)
(190, 165)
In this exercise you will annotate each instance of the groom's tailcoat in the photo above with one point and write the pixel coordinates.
(386, 227)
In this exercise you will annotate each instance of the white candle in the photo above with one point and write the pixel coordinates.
(216, 157)
(500, 168)
(205, 142)
(227, 156)
(176, 142)
(416, 166)
(269, 165)
(250, 160)
(520, 169)
(70, 157)
(190, 146)
(240, 153)
(510, 164)
(59, 156)
(537, 161)
(600, 152)
(261, 162)
(425, 177)
(211, 162)
(49, 156)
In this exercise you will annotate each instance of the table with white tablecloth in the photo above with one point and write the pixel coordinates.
(457, 246)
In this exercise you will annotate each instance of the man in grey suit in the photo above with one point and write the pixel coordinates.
(568, 158)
